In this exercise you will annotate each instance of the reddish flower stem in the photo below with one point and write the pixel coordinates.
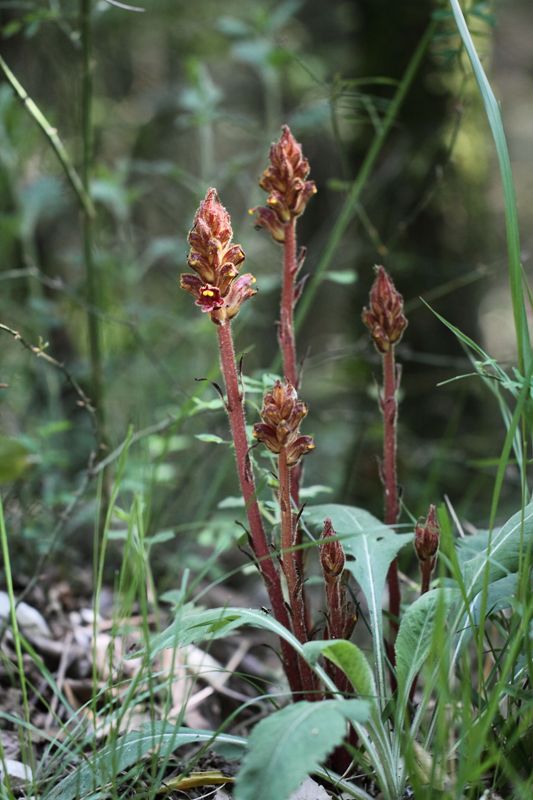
(293, 576)
(389, 408)
(286, 330)
(267, 567)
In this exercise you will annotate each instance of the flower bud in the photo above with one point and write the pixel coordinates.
(285, 182)
(216, 260)
(332, 559)
(427, 536)
(384, 317)
(281, 416)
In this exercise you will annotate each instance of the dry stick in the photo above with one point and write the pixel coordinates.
(289, 537)
(53, 137)
(389, 407)
(235, 410)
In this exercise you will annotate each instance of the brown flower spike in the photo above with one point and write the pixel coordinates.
(332, 558)
(282, 414)
(217, 286)
(285, 181)
(385, 318)
(427, 536)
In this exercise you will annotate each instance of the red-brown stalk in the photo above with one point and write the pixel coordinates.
(290, 569)
(389, 407)
(235, 410)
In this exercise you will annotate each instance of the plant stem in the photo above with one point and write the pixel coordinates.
(93, 284)
(389, 408)
(53, 137)
(286, 331)
(267, 567)
(291, 571)
(426, 568)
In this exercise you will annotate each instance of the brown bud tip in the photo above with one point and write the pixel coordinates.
(427, 536)
(285, 182)
(332, 559)
(281, 416)
(216, 261)
(384, 317)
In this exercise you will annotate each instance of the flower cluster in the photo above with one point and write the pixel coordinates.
(282, 414)
(427, 536)
(332, 558)
(285, 181)
(217, 286)
(385, 318)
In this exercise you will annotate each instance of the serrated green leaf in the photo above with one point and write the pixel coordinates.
(349, 658)
(287, 746)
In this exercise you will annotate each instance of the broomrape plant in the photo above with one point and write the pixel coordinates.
(375, 719)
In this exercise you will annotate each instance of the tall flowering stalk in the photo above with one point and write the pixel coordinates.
(220, 291)
(279, 430)
(386, 322)
(289, 191)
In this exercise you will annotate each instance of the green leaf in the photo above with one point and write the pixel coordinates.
(414, 638)
(103, 766)
(494, 118)
(191, 626)
(287, 746)
(347, 657)
(372, 547)
(209, 437)
(503, 552)
(15, 459)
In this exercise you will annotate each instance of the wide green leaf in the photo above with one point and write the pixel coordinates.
(288, 745)
(370, 547)
(101, 769)
(502, 554)
(347, 657)
(416, 631)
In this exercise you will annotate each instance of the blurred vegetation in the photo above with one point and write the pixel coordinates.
(189, 95)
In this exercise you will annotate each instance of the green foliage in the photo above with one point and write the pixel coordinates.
(350, 659)
(290, 744)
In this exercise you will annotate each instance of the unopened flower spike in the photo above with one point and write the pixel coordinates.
(427, 537)
(285, 181)
(217, 287)
(384, 317)
(282, 414)
(332, 558)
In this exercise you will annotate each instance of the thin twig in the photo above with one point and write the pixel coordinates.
(53, 137)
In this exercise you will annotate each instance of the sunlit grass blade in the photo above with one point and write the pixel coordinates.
(511, 216)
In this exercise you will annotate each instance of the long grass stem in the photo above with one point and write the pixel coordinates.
(93, 283)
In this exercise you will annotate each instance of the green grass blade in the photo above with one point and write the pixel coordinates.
(349, 208)
(511, 217)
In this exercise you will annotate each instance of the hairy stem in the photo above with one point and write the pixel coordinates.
(389, 407)
(286, 330)
(290, 369)
(291, 571)
(267, 567)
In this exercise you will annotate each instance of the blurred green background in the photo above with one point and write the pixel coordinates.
(190, 95)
